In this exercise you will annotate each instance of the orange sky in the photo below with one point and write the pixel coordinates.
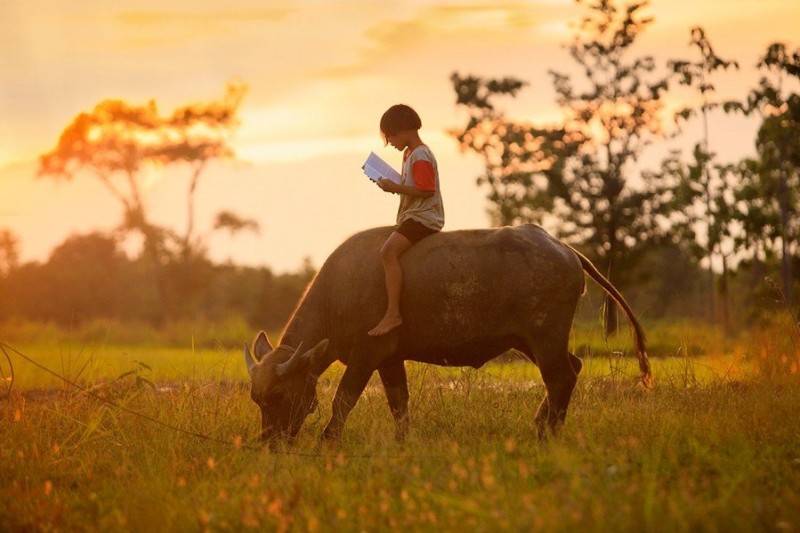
(320, 75)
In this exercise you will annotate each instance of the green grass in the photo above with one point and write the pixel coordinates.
(104, 363)
(714, 446)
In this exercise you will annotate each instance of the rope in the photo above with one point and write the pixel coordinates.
(158, 422)
(128, 410)
(11, 367)
(181, 430)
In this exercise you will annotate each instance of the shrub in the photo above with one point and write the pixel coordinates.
(774, 347)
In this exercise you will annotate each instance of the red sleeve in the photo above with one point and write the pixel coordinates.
(424, 176)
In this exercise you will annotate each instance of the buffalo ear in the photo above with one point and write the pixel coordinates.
(313, 361)
(248, 360)
(261, 346)
(319, 357)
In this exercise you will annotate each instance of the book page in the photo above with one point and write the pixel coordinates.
(376, 168)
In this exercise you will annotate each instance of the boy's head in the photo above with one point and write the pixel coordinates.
(399, 118)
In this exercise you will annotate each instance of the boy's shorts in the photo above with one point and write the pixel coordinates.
(414, 231)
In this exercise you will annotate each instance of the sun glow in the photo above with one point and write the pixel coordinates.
(320, 75)
(300, 149)
(151, 174)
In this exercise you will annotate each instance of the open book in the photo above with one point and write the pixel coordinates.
(376, 168)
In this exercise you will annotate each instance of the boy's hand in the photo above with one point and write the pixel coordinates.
(386, 185)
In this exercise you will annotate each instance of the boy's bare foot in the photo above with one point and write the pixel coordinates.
(387, 324)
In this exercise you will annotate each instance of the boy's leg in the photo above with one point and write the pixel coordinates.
(394, 246)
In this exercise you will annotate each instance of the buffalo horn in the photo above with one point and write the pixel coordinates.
(290, 366)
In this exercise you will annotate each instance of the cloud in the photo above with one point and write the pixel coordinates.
(426, 30)
(162, 28)
(202, 18)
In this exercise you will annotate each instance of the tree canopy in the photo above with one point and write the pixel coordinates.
(577, 174)
(117, 141)
(582, 177)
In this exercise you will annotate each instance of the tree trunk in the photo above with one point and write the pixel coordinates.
(611, 316)
(786, 274)
(712, 307)
(711, 303)
(723, 299)
(151, 249)
(610, 312)
(188, 244)
(786, 260)
(135, 220)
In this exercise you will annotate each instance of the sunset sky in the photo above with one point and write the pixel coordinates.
(320, 74)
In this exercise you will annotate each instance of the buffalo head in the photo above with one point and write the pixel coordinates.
(283, 382)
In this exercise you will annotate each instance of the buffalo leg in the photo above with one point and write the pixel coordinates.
(559, 370)
(395, 383)
(350, 387)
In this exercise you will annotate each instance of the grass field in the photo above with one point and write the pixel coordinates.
(713, 447)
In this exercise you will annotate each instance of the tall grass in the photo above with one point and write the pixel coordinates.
(668, 338)
(774, 347)
(712, 447)
(694, 459)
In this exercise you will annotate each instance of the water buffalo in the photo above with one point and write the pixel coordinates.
(468, 296)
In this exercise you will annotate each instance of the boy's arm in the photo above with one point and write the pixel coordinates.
(423, 183)
(409, 190)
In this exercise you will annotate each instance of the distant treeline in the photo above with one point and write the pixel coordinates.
(668, 284)
(89, 278)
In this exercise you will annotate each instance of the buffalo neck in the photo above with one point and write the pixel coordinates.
(308, 323)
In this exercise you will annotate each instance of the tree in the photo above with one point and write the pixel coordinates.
(85, 277)
(523, 163)
(756, 212)
(225, 220)
(778, 147)
(579, 171)
(9, 252)
(703, 202)
(697, 74)
(701, 212)
(116, 142)
(9, 263)
(88, 277)
(758, 241)
(85, 272)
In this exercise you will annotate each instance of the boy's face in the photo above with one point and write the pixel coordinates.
(401, 139)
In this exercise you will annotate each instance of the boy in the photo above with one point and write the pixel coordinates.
(421, 212)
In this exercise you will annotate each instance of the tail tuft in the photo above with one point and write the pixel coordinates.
(639, 336)
(646, 377)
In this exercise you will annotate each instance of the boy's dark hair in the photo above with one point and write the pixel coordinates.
(399, 118)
